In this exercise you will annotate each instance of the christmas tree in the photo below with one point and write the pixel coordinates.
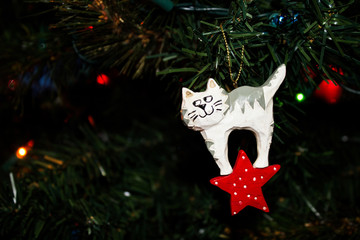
(93, 146)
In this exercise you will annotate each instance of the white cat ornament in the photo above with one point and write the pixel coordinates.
(215, 113)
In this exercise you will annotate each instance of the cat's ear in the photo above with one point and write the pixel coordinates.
(187, 92)
(212, 84)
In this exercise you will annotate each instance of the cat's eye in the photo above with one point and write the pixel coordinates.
(208, 99)
(197, 103)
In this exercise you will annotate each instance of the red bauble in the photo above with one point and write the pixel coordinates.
(328, 91)
(244, 184)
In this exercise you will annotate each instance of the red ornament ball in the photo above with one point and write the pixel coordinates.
(329, 91)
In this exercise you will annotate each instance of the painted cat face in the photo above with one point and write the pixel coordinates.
(204, 109)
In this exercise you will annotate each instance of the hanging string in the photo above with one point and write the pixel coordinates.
(229, 62)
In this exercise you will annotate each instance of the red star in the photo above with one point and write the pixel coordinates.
(244, 184)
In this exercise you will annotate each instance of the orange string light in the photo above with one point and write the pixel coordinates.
(21, 152)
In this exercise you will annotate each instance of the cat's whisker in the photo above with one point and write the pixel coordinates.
(196, 116)
(218, 104)
(191, 112)
(217, 101)
(218, 109)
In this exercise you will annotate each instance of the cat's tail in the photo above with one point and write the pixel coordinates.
(273, 83)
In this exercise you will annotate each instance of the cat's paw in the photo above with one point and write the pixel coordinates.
(261, 163)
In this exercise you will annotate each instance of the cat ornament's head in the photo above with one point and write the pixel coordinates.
(201, 110)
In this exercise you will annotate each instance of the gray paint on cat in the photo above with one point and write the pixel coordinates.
(227, 102)
(208, 145)
(185, 120)
(247, 94)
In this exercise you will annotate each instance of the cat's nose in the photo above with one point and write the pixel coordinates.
(202, 106)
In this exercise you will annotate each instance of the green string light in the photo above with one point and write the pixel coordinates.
(300, 97)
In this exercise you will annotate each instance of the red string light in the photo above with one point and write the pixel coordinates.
(102, 79)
